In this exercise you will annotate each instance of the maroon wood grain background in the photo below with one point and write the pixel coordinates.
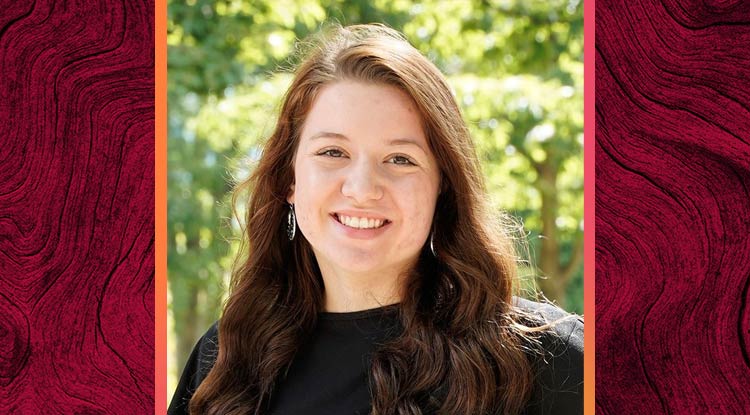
(76, 207)
(672, 207)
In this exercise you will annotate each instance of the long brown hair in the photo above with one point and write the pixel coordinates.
(462, 349)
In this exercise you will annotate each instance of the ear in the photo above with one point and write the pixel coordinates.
(290, 196)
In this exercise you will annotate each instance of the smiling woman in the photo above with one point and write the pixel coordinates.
(363, 158)
(376, 280)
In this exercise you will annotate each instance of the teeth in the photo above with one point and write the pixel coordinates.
(360, 223)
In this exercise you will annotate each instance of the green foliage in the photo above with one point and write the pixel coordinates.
(517, 71)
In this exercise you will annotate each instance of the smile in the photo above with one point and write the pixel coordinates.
(359, 222)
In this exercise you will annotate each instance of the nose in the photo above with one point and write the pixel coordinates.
(362, 182)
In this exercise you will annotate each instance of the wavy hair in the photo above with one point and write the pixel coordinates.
(463, 347)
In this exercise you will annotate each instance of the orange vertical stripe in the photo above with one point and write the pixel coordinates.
(160, 310)
(589, 118)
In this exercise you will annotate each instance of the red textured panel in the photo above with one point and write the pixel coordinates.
(672, 207)
(76, 207)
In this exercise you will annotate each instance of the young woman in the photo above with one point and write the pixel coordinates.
(377, 280)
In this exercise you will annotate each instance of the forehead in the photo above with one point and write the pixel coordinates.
(364, 111)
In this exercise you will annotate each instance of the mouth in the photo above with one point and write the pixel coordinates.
(360, 222)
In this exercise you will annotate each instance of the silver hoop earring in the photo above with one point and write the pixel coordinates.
(291, 223)
(432, 244)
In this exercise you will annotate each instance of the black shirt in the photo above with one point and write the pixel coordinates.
(330, 373)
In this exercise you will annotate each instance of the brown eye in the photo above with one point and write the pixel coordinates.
(401, 160)
(332, 153)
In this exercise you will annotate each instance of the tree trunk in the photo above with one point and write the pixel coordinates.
(550, 282)
(554, 274)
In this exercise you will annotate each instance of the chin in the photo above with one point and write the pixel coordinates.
(359, 262)
(360, 266)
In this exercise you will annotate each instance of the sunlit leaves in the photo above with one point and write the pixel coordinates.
(244, 116)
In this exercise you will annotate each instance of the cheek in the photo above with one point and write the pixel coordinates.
(311, 188)
(418, 205)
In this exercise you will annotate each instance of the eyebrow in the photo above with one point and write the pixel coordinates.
(328, 134)
(394, 142)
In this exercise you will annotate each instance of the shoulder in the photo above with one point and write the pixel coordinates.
(207, 351)
(557, 360)
(196, 369)
(209, 343)
(566, 328)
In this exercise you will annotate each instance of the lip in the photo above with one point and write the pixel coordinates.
(360, 233)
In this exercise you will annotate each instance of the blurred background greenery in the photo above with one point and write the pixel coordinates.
(517, 71)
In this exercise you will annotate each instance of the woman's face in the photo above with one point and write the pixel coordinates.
(366, 181)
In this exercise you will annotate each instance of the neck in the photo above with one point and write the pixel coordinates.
(348, 291)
